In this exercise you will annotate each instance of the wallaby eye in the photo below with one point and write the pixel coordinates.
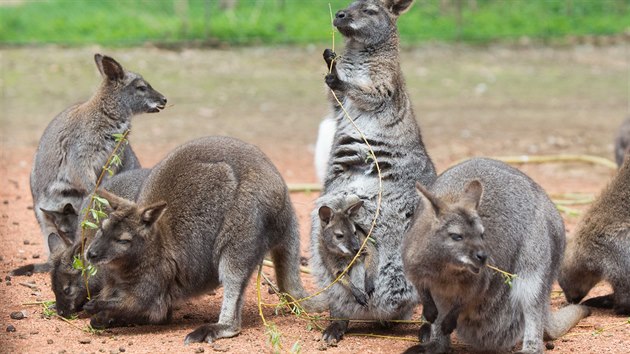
(123, 242)
(369, 12)
(67, 290)
(141, 88)
(339, 236)
(455, 237)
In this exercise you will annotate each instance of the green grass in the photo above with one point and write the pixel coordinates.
(131, 22)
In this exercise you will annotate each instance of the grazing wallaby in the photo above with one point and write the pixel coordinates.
(340, 241)
(77, 143)
(622, 142)
(67, 282)
(369, 83)
(482, 212)
(206, 216)
(600, 248)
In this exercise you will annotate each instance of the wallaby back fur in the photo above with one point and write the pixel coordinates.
(622, 142)
(206, 216)
(369, 83)
(600, 248)
(67, 283)
(477, 213)
(78, 141)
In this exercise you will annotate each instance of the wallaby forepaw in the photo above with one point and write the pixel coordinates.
(329, 56)
(210, 332)
(100, 321)
(90, 307)
(424, 335)
(369, 286)
(361, 297)
(334, 332)
(333, 82)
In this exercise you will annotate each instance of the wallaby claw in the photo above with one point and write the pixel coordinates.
(329, 57)
(334, 332)
(333, 82)
(424, 334)
(369, 286)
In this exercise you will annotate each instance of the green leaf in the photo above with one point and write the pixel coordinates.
(101, 200)
(110, 171)
(89, 225)
(296, 348)
(118, 136)
(116, 160)
(77, 262)
(91, 269)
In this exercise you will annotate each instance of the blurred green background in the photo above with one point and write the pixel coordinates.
(213, 22)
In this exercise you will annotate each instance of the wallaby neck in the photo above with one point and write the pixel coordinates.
(388, 48)
(110, 106)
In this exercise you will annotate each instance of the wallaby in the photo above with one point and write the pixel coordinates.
(369, 83)
(205, 217)
(341, 240)
(622, 142)
(600, 248)
(477, 213)
(67, 283)
(78, 141)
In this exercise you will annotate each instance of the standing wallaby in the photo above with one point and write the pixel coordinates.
(205, 217)
(341, 240)
(600, 248)
(369, 83)
(77, 143)
(482, 212)
(622, 142)
(67, 283)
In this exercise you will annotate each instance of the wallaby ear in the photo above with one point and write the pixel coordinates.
(49, 213)
(472, 194)
(397, 7)
(109, 68)
(325, 214)
(354, 208)
(69, 209)
(57, 243)
(149, 215)
(430, 201)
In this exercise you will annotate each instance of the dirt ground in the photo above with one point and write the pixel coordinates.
(491, 101)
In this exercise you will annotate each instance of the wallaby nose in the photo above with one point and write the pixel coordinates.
(340, 14)
(481, 256)
(91, 255)
(163, 100)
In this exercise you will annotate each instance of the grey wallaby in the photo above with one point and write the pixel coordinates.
(368, 81)
(205, 217)
(67, 283)
(477, 213)
(600, 248)
(341, 240)
(78, 141)
(622, 141)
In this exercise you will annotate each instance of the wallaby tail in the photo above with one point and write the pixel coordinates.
(32, 268)
(286, 260)
(561, 321)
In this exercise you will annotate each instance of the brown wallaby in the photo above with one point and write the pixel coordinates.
(341, 240)
(600, 248)
(483, 212)
(368, 81)
(205, 217)
(67, 283)
(622, 141)
(78, 141)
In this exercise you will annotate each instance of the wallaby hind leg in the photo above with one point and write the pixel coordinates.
(229, 325)
(602, 302)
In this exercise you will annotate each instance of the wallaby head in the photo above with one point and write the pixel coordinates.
(126, 234)
(64, 218)
(67, 283)
(451, 230)
(127, 89)
(370, 22)
(339, 232)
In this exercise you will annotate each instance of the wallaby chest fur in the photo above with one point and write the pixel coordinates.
(368, 81)
(205, 217)
(67, 282)
(77, 143)
(484, 210)
(600, 248)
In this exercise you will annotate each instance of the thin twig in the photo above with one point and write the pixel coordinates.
(408, 339)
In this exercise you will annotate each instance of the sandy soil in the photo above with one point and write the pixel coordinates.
(469, 102)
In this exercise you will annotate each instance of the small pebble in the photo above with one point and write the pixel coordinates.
(102, 350)
(50, 341)
(34, 332)
(8, 283)
(130, 343)
(29, 208)
(27, 242)
(550, 345)
(122, 349)
(199, 350)
(57, 329)
(218, 348)
(62, 351)
(1, 258)
(5, 202)
(11, 328)
(113, 351)
(85, 341)
(18, 315)
(22, 336)
(7, 278)
(104, 341)
(36, 256)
